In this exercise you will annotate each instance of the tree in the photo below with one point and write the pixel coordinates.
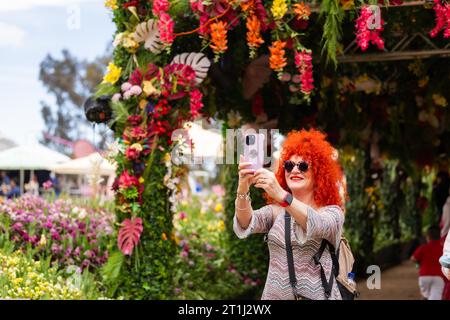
(70, 81)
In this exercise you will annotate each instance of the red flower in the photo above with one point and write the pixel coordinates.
(136, 77)
(160, 6)
(196, 102)
(132, 154)
(126, 180)
(135, 120)
(137, 133)
(166, 25)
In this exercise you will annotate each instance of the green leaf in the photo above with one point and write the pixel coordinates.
(111, 270)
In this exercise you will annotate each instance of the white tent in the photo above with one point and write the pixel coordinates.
(6, 143)
(93, 163)
(34, 157)
(207, 143)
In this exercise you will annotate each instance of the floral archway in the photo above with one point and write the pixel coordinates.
(240, 61)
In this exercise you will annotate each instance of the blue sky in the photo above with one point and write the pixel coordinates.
(29, 30)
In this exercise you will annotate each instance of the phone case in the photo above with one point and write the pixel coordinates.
(255, 153)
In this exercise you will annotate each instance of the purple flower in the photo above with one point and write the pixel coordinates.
(56, 236)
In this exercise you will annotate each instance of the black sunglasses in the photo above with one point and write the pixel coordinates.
(289, 166)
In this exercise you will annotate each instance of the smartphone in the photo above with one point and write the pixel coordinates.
(445, 261)
(254, 145)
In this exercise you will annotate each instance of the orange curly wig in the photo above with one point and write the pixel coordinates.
(327, 173)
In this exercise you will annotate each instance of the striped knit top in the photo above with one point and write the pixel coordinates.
(325, 223)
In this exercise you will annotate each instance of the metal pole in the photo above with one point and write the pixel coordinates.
(22, 178)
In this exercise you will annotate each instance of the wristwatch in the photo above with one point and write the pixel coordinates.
(287, 200)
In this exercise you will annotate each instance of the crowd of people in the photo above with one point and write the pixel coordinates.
(10, 188)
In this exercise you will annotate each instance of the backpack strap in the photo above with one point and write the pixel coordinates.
(290, 258)
(327, 284)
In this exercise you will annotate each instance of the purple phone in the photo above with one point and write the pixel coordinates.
(254, 144)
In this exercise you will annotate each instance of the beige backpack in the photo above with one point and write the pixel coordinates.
(342, 265)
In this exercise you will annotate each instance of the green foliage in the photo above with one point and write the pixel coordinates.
(111, 271)
(332, 30)
(203, 266)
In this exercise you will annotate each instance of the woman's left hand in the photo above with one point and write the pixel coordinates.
(266, 180)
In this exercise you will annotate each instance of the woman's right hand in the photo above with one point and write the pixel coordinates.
(245, 175)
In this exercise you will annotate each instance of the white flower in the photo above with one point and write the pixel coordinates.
(82, 214)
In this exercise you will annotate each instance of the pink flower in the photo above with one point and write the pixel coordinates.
(116, 97)
(160, 6)
(138, 133)
(136, 90)
(182, 215)
(48, 184)
(303, 61)
(166, 25)
(364, 35)
(126, 86)
(196, 102)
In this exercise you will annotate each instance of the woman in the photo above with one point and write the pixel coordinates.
(310, 174)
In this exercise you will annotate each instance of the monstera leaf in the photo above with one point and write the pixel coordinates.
(129, 235)
(197, 61)
(148, 33)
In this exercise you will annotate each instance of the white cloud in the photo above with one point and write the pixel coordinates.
(16, 5)
(11, 35)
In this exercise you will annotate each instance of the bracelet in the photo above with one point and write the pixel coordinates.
(243, 196)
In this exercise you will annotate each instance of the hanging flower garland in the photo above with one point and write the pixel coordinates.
(442, 13)
(368, 32)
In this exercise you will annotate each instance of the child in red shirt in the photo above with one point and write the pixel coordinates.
(431, 279)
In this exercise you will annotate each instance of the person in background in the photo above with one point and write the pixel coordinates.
(431, 279)
(32, 187)
(55, 184)
(14, 192)
(5, 178)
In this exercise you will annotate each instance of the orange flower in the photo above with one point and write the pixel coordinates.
(302, 11)
(248, 6)
(254, 32)
(219, 37)
(277, 59)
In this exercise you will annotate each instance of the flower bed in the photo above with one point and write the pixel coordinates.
(23, 278)
(69, 234)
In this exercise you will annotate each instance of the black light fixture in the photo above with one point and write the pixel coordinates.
(98, 109)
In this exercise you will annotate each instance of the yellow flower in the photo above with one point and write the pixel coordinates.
(279, 9)
(113, 73)
(439, 100)
(137, 147)
(129, 43)
(167, 157)
(164, 236)
(149, 89)
(143, 103)
(218, 207)
(112, 4)
(423, 82)
(42, 241)
(221, 225)
(141, 180)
